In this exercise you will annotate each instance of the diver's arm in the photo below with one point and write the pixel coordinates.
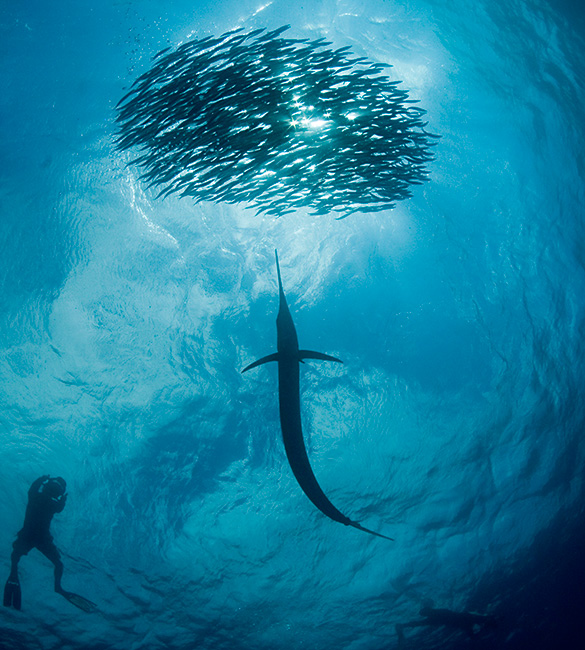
(60, 503)
(34, 488)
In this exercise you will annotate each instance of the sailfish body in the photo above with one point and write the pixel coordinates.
(288, 357)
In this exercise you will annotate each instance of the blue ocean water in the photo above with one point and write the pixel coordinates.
(455, 424)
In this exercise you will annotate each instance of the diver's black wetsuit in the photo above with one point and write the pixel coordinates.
(46, 497)
(42, 505)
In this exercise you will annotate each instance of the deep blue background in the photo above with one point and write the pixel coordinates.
(455, 424)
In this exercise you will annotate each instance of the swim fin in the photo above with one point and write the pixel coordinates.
(79, 601)
(12, 595)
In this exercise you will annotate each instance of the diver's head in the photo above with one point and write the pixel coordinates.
(55, 487)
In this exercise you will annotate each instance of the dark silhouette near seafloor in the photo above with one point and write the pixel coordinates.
(471, 624)
(46, 497)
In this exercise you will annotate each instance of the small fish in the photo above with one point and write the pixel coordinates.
(251, 99)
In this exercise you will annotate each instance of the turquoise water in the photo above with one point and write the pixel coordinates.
(454, 425)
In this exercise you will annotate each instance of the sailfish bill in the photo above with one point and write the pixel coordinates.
(288, 357)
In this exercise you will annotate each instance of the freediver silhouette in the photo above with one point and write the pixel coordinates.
(46, 497)
(465, 621)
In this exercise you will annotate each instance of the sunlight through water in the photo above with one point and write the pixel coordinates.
(147, 176)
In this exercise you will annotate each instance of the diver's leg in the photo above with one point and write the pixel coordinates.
(51, 552)
(12, 593)
(21, 546)
(14, 560)
(58, 576)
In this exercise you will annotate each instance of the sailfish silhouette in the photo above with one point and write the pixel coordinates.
(288, 357)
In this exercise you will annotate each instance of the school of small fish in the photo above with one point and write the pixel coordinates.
(277, 123)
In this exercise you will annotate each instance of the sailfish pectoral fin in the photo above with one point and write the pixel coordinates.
(309, 354)
(270, 357)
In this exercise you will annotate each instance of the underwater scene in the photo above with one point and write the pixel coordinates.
(292, 324)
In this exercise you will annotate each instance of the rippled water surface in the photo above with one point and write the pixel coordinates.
(454, 425)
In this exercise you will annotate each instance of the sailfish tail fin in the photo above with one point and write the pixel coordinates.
(367, 530)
